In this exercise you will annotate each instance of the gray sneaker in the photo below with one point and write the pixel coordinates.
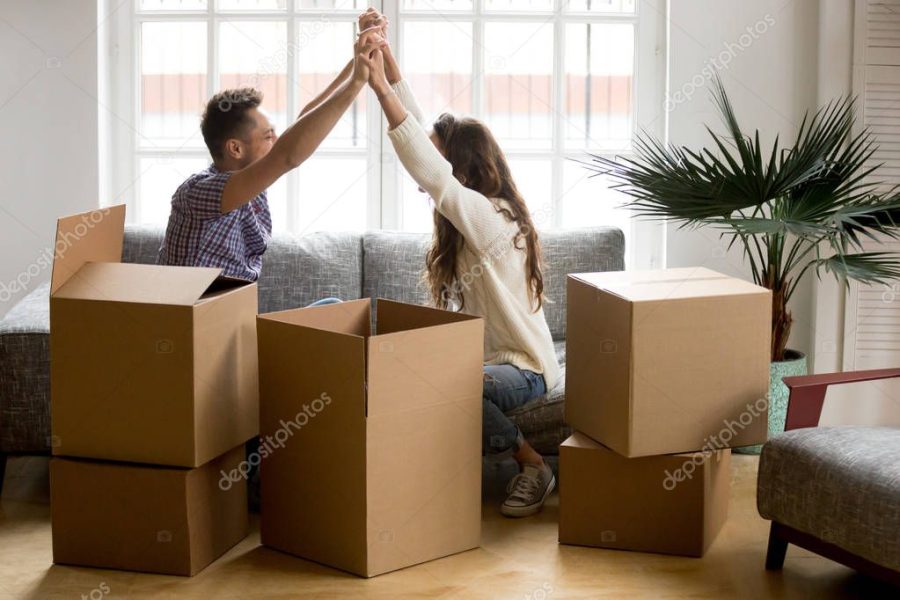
(528, 490)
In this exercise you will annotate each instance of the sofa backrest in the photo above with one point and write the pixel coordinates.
(298, 270)
(393, 263)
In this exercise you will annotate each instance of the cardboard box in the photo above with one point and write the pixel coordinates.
(149, 364)
(672, 504)
(668, 361)
(166, 520)
(371, 452)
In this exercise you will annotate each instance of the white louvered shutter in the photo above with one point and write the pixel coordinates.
(872, 316)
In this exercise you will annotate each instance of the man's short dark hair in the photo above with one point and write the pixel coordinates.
(226, 117)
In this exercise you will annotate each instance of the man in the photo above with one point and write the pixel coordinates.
(220, 217)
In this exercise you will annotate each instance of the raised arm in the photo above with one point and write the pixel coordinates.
(301, 139)
(470, 212)
(335, 84)
(372, 18)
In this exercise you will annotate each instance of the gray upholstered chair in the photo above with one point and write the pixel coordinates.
(832, 490)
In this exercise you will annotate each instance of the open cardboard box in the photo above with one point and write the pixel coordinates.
(168, 520)
(668, 361)
(150, 364)
(371, 442)
(672, 504)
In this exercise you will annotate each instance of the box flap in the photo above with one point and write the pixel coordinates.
(392, 316)
(669, 284)
(93, 236)
(348, 318)
(146, 284)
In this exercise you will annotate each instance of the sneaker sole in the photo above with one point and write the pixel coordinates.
(531, 509)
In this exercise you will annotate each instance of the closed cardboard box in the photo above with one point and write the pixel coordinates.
(148, 363)
(167, 520)
(371, 441)
(668, 361)
(672, 504)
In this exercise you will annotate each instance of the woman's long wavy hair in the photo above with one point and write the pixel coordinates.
(479, 164)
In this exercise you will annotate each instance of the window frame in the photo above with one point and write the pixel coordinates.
(646, 247)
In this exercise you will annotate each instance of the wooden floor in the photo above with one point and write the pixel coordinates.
(517, 559)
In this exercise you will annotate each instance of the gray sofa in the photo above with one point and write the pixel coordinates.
(297, 271)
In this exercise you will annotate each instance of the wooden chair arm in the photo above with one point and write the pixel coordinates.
(807, 393)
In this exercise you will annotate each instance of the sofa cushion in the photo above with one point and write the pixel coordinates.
(393, 265)
(298, 270)
(839, 484)
(142, 244)
(586, 250)
(25, 373)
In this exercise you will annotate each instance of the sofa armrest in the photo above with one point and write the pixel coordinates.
(807, 393)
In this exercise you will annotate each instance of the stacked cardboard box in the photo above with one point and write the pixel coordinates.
(667, 370)
(372, 439)
(154, 393)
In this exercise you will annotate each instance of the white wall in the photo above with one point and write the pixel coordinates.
(770, 75)
(49, 122)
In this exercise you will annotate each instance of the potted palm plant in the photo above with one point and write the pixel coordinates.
(796, 210)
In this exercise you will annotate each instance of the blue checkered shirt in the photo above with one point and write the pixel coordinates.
(199, 235)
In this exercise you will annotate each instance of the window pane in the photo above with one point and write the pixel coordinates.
(417, 206)
(355, 5)
(518, 83)
(173, 83)
(332, 194)
(589, 201)
(441, 80)
(438, 5)
(254, 54)
(173, 5)
(600, 6)
(323, 49)
(533, 177)
(519, 5)
(599, 71)
(252, 4)
(158, 180)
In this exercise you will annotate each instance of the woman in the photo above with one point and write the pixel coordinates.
(485, 259)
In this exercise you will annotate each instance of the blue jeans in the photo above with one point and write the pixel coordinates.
(506, 387)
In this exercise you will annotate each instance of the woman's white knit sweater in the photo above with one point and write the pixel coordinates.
(491, 271)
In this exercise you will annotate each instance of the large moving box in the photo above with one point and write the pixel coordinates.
(673, 504)
(667, 361)
(166, 520)
(371, 442)
(149, 364)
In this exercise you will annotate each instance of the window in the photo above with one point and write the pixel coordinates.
(551, 78)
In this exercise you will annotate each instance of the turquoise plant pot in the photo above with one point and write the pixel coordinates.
(793, 364)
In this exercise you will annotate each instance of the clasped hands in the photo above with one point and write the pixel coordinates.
(373, 61)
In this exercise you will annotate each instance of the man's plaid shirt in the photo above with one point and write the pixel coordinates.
(199, 235)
